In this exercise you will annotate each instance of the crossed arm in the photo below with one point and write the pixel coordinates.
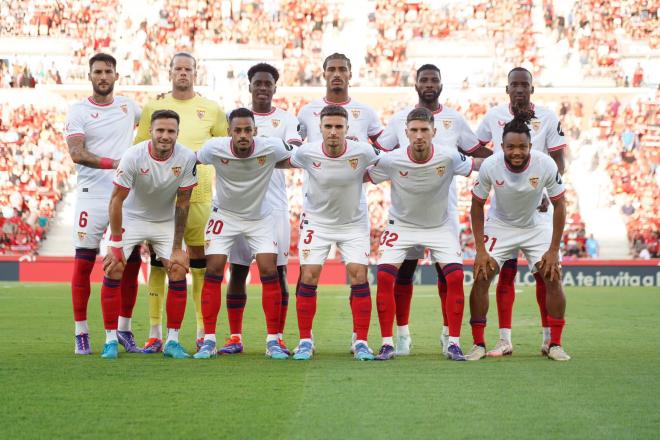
(82, 156)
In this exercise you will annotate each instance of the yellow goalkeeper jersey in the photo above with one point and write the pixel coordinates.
(201, 119)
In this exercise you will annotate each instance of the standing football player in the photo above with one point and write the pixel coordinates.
(270, 122)
(451, 131)
(421, 175)
(244, 166)
(548, 138)
(201, 119)
(518, 176)
(99, 130)
(333, 215)
(150, 202)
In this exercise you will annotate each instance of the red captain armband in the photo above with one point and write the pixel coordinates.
(106, 163)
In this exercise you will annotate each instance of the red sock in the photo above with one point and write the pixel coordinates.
(455, 297)
(442, 291)
(540, 299)
(129, 284)
(235, 307)
(177, 293)
(305, 308)
(211, 297)
(110, 297)
(556, 327)
(80, 286)
(403, 290)
(361, 308)
(478, 327)
(271, 301)
(505, 292)
(385, 303)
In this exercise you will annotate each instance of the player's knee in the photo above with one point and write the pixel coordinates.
(357, 273)
(309, 277)
(239, 273)
(177, 273)
(115, 272)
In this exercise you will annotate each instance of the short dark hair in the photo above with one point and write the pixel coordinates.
(104, 57)
(185, 55)
(519, 123)
(165, 114)
(420, 114)
(240, 112)
(519, 69)
(424, 67)
(263, 67)
(334, 110)
(336, 56)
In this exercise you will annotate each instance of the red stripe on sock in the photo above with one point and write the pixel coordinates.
(385, 302)
(177, 293)
(556, 328)
(540, 299)
(505, 294)
(305, 309)
(442, 292)
(129, 287)
(455, 302)
(361, 309)
(110, 298)
(271, 301)
(80, 287)
(211, 298)
(235, 308)
(403, 297)
(478, 327)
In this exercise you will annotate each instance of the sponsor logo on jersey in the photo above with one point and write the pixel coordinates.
(501, 123)
(82, 235)
(498, 182)
(286, 254)
(224, 161)
(95, 115)
(200, 113)
(356, 113)
(353, 163)
(275, 122)
(535, 123)
(440, 170)
(176, 171)
(447, 123)
(403, 173)
(534, 181)
(144, 171)
(124, 108)
(305, 253)
(316, 164)
(261, 160)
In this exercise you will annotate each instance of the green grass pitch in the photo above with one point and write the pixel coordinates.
(611, 388)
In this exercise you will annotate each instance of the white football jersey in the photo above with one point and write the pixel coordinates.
(363, 122)
(546, 131)
(334, 184)
(108, 132)
(153, 183)
(420, 189)
(518, 193)
(280, 124)
(241, 183)
(452, 130)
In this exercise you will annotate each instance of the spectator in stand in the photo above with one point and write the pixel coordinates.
(592, 247)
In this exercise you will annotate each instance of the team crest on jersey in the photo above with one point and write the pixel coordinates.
(535, 123)
(305, 253)
(124, 108)
(201, 113)
(224, 161)
(261, 160)
(353, 163)
(447, 123)
(534, 181)
(176, 171)
(440, 170)
(356, 113)
(82, 235)
(275, 122)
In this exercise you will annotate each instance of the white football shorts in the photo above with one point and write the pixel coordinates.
(90, 222)
(397, 241)
(241, 254)
(351, 240)
(224, 230)
(503, 242)
(160, 235)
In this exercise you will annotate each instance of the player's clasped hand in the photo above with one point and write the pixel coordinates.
(545, 203)
(483, 263)
(113, 258)
(550, 265)
(179, 257)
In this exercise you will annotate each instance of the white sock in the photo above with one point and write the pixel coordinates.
(445, 330)
(237, 335)
(388, 341)
(360, 341)
(156, 331)
(402, 330)
(546, 334)
(124, 324)
(280, 335)
(270, 337)
(306, 340)
(454, 340)
(110, 335)
(200, 333)
(505, 333)
(209, 337)
(81, 327)
(353, 336)
(172, 335)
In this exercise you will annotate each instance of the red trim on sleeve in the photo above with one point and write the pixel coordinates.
(289, 141)
(370, 179)
(477, 146)
(557, 148)
(188, 187)
(558, 196)
(120, 186)
(75, 135)
(291, 163)
(477, 197)
(471, 168)
(483, 142)
(373, 137)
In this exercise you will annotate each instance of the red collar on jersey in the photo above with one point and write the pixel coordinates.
(435, 112)
(424, 161)
(272, 110)
(336, 103)
(334, 157)
(531, 104)
(508, 167)
(155, 158)
(231, 147)
(90, 99)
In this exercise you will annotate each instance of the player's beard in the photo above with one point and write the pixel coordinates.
(517, 167)
(98, 91)
(428, 101)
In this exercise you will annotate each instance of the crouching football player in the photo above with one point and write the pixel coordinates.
(150, 202)
(517, 175)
